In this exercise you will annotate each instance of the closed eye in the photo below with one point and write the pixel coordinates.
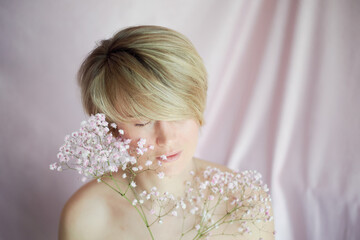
(141, 124)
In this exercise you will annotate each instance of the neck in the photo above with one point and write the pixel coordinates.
(173, 181)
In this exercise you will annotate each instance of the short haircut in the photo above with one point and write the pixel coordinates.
(144, 72)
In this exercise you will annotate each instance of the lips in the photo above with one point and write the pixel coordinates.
(170, 157)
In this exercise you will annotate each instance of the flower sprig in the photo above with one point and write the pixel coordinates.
(213, 199)
(219, 198)
(94, 151)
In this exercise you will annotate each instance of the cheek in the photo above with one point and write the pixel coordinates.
(192, 134)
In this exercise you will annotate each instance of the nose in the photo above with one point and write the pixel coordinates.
(165, 133)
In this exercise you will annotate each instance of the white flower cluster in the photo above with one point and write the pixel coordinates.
(213, 198)
(94, 151)
(218, 198)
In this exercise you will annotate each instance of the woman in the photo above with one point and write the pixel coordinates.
(152, 83)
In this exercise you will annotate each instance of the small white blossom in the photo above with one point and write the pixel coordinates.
(139, 151)
(53, 166)
(141, 142)
(135, 169)
(133, 184)
(161, 175)
(193, 210)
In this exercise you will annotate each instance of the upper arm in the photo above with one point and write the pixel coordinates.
(82, 219)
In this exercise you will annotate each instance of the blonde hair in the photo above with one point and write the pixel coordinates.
(144, 72)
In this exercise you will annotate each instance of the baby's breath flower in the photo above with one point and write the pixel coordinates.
(141, 142)
(193, 210)
(93, 151)
(135, 169)
(161, 175)
(139, 151)
(53, 166)
(133, 160)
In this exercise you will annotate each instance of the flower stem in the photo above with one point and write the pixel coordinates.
(143, 217)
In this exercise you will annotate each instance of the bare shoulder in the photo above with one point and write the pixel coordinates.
(87, 213)
(203, 164)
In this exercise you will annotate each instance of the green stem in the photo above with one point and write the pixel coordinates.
(143, 217)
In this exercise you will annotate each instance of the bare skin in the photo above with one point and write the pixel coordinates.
(96, 211)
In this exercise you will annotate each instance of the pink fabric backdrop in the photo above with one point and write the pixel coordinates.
(283, 99)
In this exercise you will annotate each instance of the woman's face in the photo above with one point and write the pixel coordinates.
(175, 139)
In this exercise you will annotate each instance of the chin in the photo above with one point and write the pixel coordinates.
(177, 168)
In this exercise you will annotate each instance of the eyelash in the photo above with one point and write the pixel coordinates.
(141, 124)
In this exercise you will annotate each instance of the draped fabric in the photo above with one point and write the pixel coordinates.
(283, 99)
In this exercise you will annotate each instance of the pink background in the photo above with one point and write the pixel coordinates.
(284, 95)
